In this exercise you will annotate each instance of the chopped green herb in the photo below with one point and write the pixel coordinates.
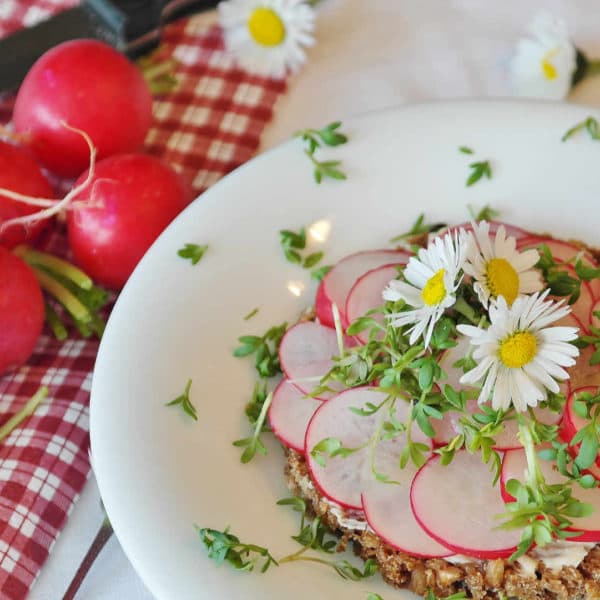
(193, 252)
(590, 125)
(316, 138)
(478, 170)
(312, 259)
(254, 444)
(465, 150)
(487, 213)
(223, 546)
(319, 273)
(265, 348)
(185, 402)
(419, 228)
(251, 314)
(431, 596)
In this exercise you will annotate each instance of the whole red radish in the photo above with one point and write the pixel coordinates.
(21, 311)
(89, 86)
(134, 198)
(20, 173)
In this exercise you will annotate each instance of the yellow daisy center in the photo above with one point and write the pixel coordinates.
(434, 290)
(548, 68)
(502, 279)
(518, 349)
(266, 27)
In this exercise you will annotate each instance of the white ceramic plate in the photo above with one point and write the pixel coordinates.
(158, 471)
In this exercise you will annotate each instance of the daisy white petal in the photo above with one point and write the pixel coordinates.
(544, 64)
(519, 355)
(433, 277)
(267, 37)
(498, 269)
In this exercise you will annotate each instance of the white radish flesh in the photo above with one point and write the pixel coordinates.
(514, 466)
(337, 283)
(366, 294)
(289, 414)
(306, 354)
(457, 505)
(388, 512)
(343, 479)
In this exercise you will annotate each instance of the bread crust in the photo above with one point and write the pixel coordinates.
(495, 579)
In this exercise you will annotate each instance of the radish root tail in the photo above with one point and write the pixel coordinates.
(51, 207)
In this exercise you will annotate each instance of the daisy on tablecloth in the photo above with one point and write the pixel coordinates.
(545, 63)
(268, 37)
(498, 268)
(432, 279)
(519, 357)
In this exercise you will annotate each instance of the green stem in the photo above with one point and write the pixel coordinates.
(339, 333)
(298, 556)
(54, 264)
(74, 307)
(462, 307)
(534, 474)
(27, 410)
(261, 417)
(57, 326)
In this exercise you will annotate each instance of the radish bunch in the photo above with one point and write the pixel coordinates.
(434, 509)
(83, 111)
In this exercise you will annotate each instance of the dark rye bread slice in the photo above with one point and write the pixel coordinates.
(482, 580)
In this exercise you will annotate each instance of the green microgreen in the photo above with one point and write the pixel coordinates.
(591, 339)
(465, 150)
(479, 170)
(418, 231)
(431, 596)
(185, 402)
(318, 274)
(265, 348)
(293, 243)
(254, 444)
(487, 213)
(253, 312)
(193, 252)
(589, 124)
(560, 282)
(316, 138)
(223, 547)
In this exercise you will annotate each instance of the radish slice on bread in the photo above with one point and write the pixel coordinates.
(342, 479)
(367, 294)
(289, 414)
(337, 283)
(457, 505)
(306, 354)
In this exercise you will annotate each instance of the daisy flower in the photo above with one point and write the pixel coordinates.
(519, 357)
(498, 268)
(431, 282)
(545, 63)
(267, 36)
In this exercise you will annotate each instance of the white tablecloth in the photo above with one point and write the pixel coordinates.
(370, 54)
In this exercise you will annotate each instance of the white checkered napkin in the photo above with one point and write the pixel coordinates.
(211, 124)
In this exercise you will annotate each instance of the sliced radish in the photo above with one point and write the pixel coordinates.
(514, 466)
(366, 294)
(337, 283)
(305, 355)
(561, 250)
(343, 479)
(457, 505)
(594, 320)
(388, 512)
(289, 414)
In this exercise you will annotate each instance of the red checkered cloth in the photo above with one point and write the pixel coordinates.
(208, 126)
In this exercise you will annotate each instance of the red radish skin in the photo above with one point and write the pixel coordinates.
(21, 311)
(289, 415)
(366, 294)
(305, 355)
(134, 198)
(337, 283)
(20, 173)
(90, 86)
(514, 466)
(344, 479)
(457, 504)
